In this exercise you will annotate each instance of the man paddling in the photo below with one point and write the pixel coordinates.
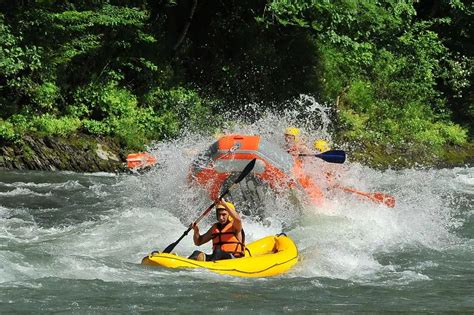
(227, 235)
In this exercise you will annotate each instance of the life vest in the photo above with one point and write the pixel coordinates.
(226, 239)
(311, 188)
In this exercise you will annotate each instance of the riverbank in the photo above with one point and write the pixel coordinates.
(383, 157)
(79, 153)
(84, 153)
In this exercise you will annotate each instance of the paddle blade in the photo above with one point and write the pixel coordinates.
(388, 200)
(333, 156)
(246, 171)
(378, 197)
(170, 247)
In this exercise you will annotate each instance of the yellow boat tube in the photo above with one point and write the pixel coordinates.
(269, 256)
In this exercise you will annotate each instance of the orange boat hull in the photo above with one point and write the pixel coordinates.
(275, 168)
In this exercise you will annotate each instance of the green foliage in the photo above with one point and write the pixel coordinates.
(47, 124)
(116, 113)
(21, 125)
(453, 133)
(17, 62)
(399, 127)
(10, 54)
(18, 125)
(398, 100)
(96, 127)
(68, 49)
(354, 124)
(452, 21)
(13, 57)
(178, 108)
(7, 131)
(362, 96)
(399, 71)
(45, 95)
(383, 66)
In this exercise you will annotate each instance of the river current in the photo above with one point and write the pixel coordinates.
(72, 243)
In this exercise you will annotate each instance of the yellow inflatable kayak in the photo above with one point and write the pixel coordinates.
(269, 256)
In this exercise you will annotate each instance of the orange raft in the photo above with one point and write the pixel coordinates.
(139, 161)
(275, 169)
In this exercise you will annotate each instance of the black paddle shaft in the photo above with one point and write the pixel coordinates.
(242, 175)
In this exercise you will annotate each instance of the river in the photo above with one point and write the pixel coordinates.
(72, 243)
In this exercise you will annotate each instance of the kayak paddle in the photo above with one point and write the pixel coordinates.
(377, 197)
(242, 175)
(331, 156)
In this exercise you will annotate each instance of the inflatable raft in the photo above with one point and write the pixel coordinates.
(276, 171)
(140, 162)
(269, 256)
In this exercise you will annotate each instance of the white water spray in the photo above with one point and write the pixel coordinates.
(111, 222)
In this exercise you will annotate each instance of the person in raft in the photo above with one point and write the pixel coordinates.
(293, 144)
(296, 148)
(227, 235)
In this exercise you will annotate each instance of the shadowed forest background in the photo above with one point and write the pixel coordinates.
(397, 74)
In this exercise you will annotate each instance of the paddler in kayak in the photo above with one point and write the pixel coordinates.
(227, 235)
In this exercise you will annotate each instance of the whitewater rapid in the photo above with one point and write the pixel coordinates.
(90, 226)
(63, 234)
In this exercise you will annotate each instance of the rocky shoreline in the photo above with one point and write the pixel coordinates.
(79, 153)
(84, 153)
(383, 157)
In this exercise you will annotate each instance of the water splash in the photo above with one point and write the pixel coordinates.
(101, 226)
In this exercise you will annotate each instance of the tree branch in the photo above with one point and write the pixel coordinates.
(186, 26)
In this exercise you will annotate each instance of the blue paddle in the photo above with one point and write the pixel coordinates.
(331, 156)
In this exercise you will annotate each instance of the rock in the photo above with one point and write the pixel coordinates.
(105, 154)
(81, 153)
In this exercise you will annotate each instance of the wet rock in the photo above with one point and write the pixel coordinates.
(80, 153)
(105, 154)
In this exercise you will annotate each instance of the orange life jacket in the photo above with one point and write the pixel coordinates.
(226, 239)
(311, 188)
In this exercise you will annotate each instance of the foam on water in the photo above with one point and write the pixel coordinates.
(70, 184)
(23, 191)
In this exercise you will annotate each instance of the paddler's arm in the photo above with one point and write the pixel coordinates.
(303, 149)
(201, 239)
(237, 222)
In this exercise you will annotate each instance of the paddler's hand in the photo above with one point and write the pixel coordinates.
(194, 227)
(219, 202)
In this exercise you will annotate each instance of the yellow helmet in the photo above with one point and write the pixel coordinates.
(292, 131)
(321, 145)
(230, 204)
